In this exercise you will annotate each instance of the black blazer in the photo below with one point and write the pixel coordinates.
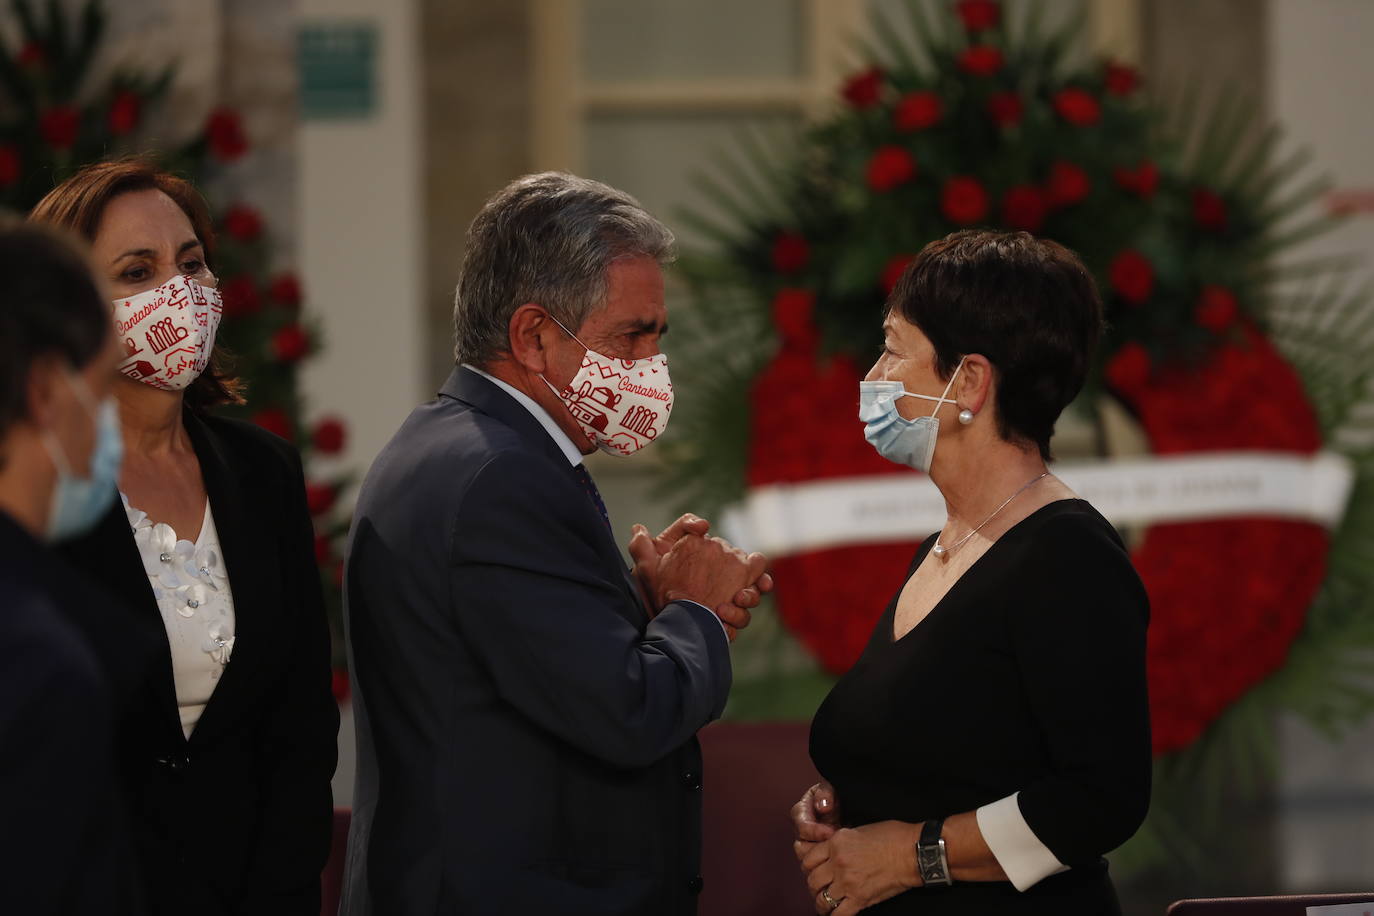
(526, 735)
(62, 831)
(237, 819)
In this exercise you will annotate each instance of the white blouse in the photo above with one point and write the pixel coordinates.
(192, 590)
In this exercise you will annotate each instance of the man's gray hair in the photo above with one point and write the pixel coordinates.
(546, 239)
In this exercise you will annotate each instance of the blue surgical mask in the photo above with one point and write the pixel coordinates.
(909, 442)
(78, 503)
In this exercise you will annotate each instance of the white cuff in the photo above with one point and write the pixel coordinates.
(724, 632)
(1017, 849)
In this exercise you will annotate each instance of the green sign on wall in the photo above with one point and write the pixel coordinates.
(338, 69)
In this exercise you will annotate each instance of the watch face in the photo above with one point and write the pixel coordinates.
(932, 864)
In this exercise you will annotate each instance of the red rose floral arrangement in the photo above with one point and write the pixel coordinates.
(1205, 347)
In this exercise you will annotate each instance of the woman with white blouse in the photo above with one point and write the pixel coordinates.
(227, 741)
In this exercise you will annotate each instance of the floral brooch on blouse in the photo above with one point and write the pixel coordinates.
(186, 579)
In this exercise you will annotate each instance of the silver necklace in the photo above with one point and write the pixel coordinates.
(940, 551)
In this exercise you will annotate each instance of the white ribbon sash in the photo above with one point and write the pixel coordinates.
(786, 519)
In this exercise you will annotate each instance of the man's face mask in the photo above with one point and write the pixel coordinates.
(621, 404)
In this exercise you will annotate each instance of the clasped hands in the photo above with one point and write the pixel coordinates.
(684, 562)
(849, 869)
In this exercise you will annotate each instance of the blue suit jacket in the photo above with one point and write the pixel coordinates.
(526, 733)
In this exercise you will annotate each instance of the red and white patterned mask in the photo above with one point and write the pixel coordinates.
(621, 404)
(168, 332)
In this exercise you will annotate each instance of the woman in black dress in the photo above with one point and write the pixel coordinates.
(226, 744)
(992, 743)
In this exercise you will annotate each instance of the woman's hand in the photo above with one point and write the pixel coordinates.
(863, 866)
(815, 818)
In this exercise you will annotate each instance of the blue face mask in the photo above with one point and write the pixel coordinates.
(79, 502)
(909, 442)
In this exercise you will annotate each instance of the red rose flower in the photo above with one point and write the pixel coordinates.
(980, 60)
(1121, 80)
(889, 167)
(241, 296)
(329, 435)
(1023, 207)
(290, 344)
(1068, 184)
(896, 266)
(862, 90)
(33, 54)
(963, 200)
(323, 550)
(319, 497)
(1006, 108)
(917, 111)
(978, 15)
(1142, 180)
(9, 164)
(1129, 368)
(224, 132)
(1216, 308)
(59, 127)
(124, 112)
(792, 311)
(1209, 210)
(285, 290)
(1132, 276)
(274, 420)
(243, 223)
(1077, 106)
(790, 252)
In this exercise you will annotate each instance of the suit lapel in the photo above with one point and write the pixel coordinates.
(110, 557)
(476, 391)
(249, 562)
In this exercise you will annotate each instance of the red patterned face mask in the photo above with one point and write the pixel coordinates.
(621, 404)
(168, 332)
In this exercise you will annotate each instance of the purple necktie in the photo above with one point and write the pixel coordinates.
(592, 492)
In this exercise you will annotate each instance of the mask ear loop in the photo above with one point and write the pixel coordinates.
(943, 399)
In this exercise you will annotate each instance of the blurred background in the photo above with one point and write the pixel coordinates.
(363, 136)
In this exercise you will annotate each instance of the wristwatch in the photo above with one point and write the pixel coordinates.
(930, 854)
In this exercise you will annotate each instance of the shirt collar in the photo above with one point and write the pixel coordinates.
(560, 438)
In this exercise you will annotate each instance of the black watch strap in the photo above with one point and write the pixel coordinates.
(930, 854)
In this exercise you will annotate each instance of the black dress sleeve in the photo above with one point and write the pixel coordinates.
(1079, 641)
(297, 738)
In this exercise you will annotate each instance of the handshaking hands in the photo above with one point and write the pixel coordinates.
(684, 562)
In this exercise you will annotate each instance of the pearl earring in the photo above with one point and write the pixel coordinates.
(966, 416)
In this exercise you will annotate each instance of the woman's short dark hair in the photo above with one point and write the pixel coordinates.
(1027, 304)
(50, 306)
(78, 204)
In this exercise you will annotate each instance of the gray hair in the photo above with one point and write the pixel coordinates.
(547, 239)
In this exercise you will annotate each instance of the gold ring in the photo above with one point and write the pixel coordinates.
(825, 894)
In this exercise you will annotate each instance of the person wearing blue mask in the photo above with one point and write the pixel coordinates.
(992, 743)
(62, 843)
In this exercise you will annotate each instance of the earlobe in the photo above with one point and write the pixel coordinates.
(527, 327)
(40, 393)
(977, 382)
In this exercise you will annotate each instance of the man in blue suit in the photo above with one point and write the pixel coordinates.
(526, 705)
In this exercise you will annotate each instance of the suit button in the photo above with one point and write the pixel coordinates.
(694, 884)
(691, 780)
